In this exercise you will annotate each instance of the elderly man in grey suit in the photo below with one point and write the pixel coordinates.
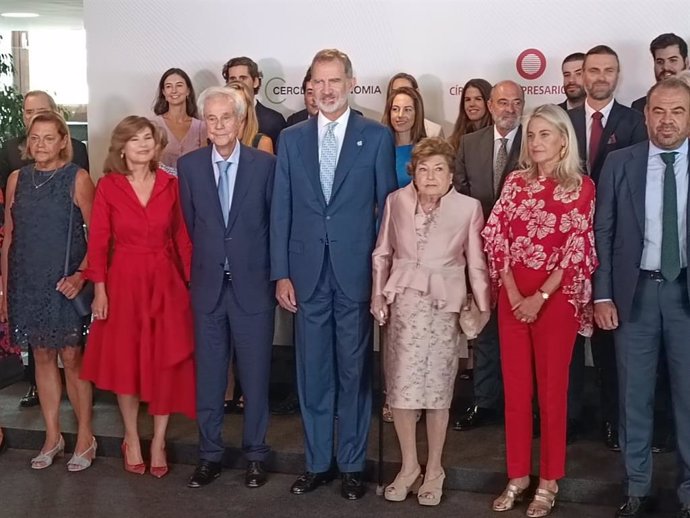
(641, 289)
(484, 158)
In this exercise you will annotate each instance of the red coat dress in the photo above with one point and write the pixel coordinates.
(145, 346)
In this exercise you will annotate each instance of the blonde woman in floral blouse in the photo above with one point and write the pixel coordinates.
(539, 244)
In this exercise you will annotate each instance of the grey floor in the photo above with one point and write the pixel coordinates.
(106, 491)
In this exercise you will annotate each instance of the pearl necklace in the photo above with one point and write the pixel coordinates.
(52, 174)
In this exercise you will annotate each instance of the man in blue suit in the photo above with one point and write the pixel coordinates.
(333, 174)
(225, 192)
(642, 288)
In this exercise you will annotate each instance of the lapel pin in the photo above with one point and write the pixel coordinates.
(359, 143)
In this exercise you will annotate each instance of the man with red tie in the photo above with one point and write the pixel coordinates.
(603, 125)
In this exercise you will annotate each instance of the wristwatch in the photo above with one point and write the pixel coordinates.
(543, 294)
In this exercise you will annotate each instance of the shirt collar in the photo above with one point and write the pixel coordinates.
(322, 120)
(233, 158)
(682, 149)
(510, 135)
(589, 111)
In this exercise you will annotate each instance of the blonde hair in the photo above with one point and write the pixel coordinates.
(66, 153)
(123, 132)
(568, 170)
(250, 124)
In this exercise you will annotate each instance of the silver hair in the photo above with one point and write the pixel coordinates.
(235, 96)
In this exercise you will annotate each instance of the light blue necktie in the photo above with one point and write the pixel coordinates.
(224, 188)
(329, 155)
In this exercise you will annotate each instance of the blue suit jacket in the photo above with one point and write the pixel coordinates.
(619, 225)
(245, 241)
(302, 223)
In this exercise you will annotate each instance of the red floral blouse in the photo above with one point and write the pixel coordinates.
(538, 225)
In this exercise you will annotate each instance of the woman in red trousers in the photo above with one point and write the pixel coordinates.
(540, 245)
(141, 343)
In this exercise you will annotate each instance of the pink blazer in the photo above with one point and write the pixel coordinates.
(454, 247)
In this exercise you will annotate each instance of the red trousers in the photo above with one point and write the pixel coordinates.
(544, 347)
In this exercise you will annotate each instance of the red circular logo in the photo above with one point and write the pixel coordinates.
(531, 64)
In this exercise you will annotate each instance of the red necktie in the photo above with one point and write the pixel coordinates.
(595, 138)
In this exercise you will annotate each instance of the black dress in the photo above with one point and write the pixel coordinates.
(39, 315)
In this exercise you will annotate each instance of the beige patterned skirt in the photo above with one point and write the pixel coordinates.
(421, 353)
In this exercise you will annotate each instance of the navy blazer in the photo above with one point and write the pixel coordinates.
(271, 122)
(619, 226)
(245, 241)
(301, 221)
(297, 117)
(639, 104)
(624, 127)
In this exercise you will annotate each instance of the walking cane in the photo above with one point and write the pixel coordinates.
(382, 402)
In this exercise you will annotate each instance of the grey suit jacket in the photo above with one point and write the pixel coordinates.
(619, 226)
(474, 166)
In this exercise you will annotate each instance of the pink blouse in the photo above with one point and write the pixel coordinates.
(536, 224)
(194, 139)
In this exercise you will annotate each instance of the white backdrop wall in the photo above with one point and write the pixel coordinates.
(442, 42)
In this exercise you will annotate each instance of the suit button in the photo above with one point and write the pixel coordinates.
(228, 239)
(328, 217)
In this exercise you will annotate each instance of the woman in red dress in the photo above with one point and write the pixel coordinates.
(540, 247)
(140, 346)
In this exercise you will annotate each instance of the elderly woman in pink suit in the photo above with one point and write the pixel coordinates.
(428, 245)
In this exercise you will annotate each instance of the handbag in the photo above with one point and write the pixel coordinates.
(472, 321)
(82, 301)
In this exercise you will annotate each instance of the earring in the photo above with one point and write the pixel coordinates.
(122, 155)
(562, 153)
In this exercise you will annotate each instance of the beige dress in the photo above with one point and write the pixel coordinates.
(422, 343)
(420, 264)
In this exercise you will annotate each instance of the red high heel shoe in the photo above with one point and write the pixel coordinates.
(137, 469)
(160, 471)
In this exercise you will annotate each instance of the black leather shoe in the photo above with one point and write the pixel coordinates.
(635, 506)
(353, 487)
(310, 481)
(664, 441)
(30, 398)
(288, 406)
(205, 473)
(256, 474)
(475, 417)
(611, 436)
(684, 512)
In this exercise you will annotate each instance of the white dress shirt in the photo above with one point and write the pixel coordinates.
(654, 206)
(497, 141)
(338, 131)
(589, 111)
(234, 160)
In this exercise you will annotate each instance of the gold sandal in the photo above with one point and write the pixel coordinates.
(431, 491)
(542, 504)
(511, 495)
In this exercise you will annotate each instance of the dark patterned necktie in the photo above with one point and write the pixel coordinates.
(670, 247)
(500, 163)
